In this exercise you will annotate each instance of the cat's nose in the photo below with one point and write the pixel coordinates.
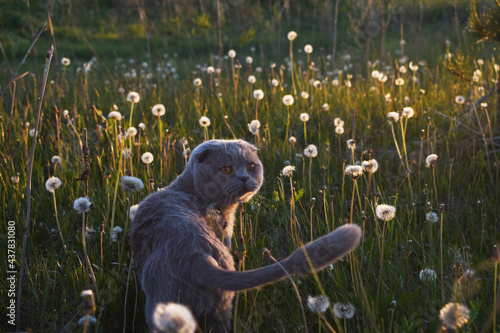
(244, 178)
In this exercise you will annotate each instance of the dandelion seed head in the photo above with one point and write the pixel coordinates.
(292, 35)
(342, 310)
(393, 117)
(197, 82)
(31, 132)
(55, 159)
(14, 179)
(82, 205)
(258, 94)
(311, 151)
(186, 153)
(408, 112)
(131, 184)
(132, 211)
(355, 171)
(459, 99)
(339, 130)
(335, 82)
(52, 184)
(317, 84)
(304, 95)
(204, 121)
(142, 126)
(158, 110)
(231, 54)
(275, 82)
(131, 131)
(351, 144)
(133, 97)
(115, 233)
(432, 217)
(252, 79)
(288, 171)
(254, 126)
(454, 315)
(115, 115)
(385, 212)
(147, 158)
(431, 160)
(427, 275)
(249, 60)
(210, 69)
(304, 117)
(338, 122)
(65, 61)
(375, 74)
(173, 317)
(326, 107)
(292, 139)
(402, 69)
(413, 67)
(318, 304)
(370, 166)
(308, 49)
(288, 100)
(127, 153)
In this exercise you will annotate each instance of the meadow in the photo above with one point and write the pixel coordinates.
(397, 137)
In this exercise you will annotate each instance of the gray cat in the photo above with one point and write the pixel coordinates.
(181, 236)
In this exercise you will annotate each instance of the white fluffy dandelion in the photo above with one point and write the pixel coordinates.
(65, 61)
(55, 159)
(292, 35)
(339, 130)
(454, 315)
(318, 304)
(204, 121)
(304, 117)
(432, 217)
(197, 82)
(431, 160)
(147, 158)
(275, 82)
(351, 144)
(52, 184)
(460, 99)
(288, 100)
(304, 95)
(133, 210)
(115, 115)
(173, 317)
(355, 171)
(252, 79)
(427, 275)
(115, 233)
(408, 112)
(385, 212)
(393, 117)
(288, 171)
(82, 205)
(399, 81)
(133, 97)
(342, 310)
(258, 94)
(311, 151)
(370, 166)
(231, 54)
(158, 110)
(131, 184)
(308, 49)
(254, 126)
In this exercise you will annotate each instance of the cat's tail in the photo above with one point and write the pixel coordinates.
(317, 255)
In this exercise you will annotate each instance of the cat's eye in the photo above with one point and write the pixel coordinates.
(226, 170)
(250, 166)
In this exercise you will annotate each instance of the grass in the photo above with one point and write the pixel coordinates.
(386, 266)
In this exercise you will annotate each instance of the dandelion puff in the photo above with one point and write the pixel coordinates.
(252, 79)
(131, 184)
(52, 184)
(399, 81)
(115, 233)
(339, 130)
(311, 151)
(32, 132)
(385, 212)
(254, 126)
(210, 69)
(65, 61)
(432, 217)
(14, 179)
(375, 74)
(142, 126)
(147, 158)
(431, 160)
(292, 139)
(288, 171)
(351, 144)
(275, 82)
(308, 49)
(304, 117)
(342, 310)
(82, 205)
(288, 100)
(158, 110)
(131, 131)
(427, 275)
(408, 112)
(116, 115)
(355, 171)
(127, 153)
(133, 210)
(197, 82)
(89, 232)
(258, 94)
(454, 315)
(133, 97)
(88, 302)
(370, 166)
(318, 304)
(249, 60)
(173, 317)
(65, 114)
(338, 122)
(292, 35)
(55, 159)
(459, 99)
(393, 117)
(91, 320)
(326, 107)
(231, 54)
(204, 121)
(304, 95)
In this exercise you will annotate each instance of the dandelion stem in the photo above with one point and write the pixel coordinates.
(441, 258)
(58, 225)
(396, 143)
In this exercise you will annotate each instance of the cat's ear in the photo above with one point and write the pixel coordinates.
(249, 146)
(202, 155)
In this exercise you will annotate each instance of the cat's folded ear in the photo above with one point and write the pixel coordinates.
(249, 146)
(202, 155)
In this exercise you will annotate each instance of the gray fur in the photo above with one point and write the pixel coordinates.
(181, 237)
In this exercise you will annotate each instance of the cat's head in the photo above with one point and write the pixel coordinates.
(225, 171)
